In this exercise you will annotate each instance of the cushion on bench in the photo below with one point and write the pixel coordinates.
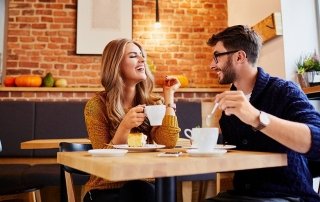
(11, 178)
(58, 120)
(16, 126)
(42, 175)
(189, 115)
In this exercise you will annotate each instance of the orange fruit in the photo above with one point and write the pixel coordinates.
(9, 81)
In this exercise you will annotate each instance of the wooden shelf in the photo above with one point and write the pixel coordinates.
(310, 90)
(97, 89)
(52, 89)
(313, 92)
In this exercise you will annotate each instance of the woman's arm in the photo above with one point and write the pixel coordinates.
(133, 118)
(96, 124)
(168, 133)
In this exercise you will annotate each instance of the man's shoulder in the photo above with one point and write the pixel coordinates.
(282, 84)
(285, 90)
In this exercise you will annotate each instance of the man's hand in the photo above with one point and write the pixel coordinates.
(236, 103)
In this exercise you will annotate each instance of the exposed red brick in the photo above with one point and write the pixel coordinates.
(42, 38)
(4, 94)
(29, 64)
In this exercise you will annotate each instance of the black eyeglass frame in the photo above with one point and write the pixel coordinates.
(217, 54)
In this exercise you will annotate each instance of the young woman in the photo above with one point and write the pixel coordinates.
(112, 114)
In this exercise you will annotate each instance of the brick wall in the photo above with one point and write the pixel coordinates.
(42, 38)
(179, 46)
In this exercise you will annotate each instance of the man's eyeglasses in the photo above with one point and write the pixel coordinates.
(217, 54)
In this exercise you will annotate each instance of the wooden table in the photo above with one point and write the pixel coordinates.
(164, 169)
(50, 143)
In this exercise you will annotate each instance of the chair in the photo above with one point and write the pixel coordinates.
(314, 167)
(24, 195)
(194, 187)
(11, 178)
(69, 172)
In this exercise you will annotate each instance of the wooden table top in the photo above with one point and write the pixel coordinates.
(149, 165)
(54, 143)
(50, 143)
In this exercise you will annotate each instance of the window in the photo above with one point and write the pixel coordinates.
(3, 14)
(317, 4)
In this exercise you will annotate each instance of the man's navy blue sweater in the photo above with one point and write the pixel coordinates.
(285, 100)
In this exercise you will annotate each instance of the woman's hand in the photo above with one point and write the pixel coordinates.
(171, 83)
(134, 117)
(170, 86)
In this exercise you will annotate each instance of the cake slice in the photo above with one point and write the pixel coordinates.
(137, 139)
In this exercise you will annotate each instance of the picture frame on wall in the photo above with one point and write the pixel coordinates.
(100, 21)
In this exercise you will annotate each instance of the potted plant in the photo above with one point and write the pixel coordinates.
(309, 70)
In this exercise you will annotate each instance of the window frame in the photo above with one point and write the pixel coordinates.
(4, 40)
(317, 7)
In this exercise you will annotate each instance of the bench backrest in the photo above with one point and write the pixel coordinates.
(21, 121)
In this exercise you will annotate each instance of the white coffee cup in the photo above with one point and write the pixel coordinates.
(155, 114)
(204, 139)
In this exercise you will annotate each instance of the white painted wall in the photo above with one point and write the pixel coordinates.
(279, 55)
(2, 18)
(2, 12)
(300, 35)
(249, 12)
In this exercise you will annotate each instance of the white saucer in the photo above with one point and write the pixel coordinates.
(218, 146)
(108, 152)
(214, 152)
(225, 146)
(145, 148)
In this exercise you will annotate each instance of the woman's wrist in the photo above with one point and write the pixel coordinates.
(168, 97)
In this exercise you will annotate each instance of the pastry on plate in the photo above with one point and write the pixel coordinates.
(137, 140)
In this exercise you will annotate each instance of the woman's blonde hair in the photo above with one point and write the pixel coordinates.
(112, 81)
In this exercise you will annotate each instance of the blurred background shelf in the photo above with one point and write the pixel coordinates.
(97, 89)
(313, 92)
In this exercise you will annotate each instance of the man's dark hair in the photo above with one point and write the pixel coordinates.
(239, 37)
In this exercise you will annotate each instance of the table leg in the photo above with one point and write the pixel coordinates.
(63, 188)
(166, 189)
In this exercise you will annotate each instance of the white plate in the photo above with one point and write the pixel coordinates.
(108, 152)
(214, 152)
(146, 148)
(218, 146)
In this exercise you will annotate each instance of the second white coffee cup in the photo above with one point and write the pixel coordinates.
(204, 139)
(155, 114)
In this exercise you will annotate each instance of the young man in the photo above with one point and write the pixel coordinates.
(263, 113)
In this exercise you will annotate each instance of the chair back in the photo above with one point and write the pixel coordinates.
(68, 172)
(70, 147)
(314, 168)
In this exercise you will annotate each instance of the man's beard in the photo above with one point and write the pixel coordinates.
(228, 73)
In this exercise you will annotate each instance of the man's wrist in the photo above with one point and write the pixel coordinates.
(264, 121)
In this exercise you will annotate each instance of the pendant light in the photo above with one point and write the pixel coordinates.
(157, 24)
